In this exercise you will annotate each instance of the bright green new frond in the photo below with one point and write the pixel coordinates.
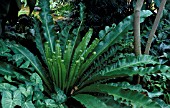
(82, 45)
(67, 55)
(76, 32)
(47, 49)
(87, 52)
(90, 48)
(56, 65)
(73, 73)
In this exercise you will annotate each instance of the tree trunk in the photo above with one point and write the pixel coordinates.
(137, 42)
(154, 27)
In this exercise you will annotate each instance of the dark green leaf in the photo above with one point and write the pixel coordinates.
(137, 99)
(90, 101)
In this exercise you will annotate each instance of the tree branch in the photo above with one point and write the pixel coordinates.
(154, 27)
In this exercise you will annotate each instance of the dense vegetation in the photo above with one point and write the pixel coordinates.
(73, 55)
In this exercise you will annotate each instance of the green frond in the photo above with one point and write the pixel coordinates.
(138, 87)
(108, 54)
(73, 73)
(67, 55)
(111, 37)
(127, 72)
(38, 40)
(76, 32)
(104, 32)
(56, 65)
(64, 36)
(137, 99)
(90, 49)
(48, 52)
(82, 14)
(47, 23)
(122, 69)
(90, 101)
(87, 62)
(87, 52)
(82, 45)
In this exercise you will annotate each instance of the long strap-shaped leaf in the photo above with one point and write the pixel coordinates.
(82, 45)
(137, 99)
(123, 64)
(38, 40)
(47, 22)
(64, 36)
(126, 72)
(34, 62)
(90, 101)
(126, 85)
